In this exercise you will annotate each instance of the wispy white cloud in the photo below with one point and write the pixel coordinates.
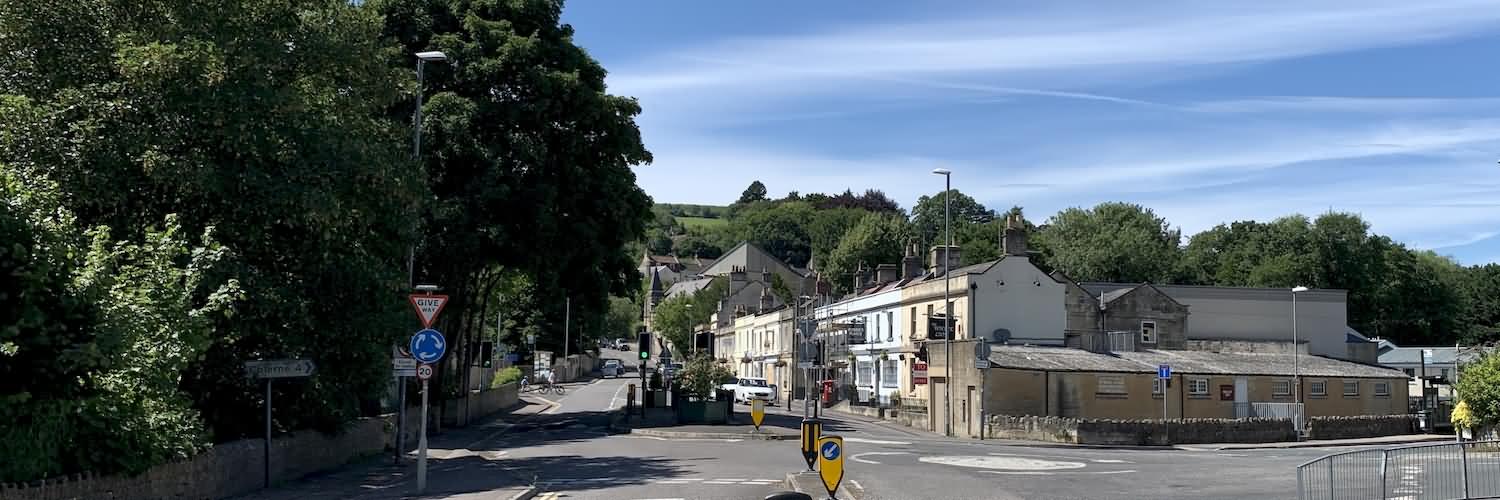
(1041, 45)
(1371, 105)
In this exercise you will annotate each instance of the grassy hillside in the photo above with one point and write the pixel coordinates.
(701, 222)
(700, 211)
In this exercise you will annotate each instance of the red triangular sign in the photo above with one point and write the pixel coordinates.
(428, 307)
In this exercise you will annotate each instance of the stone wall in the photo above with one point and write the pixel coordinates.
(1139, 432)
(1360, 426)
(236, 468)
(226, 470)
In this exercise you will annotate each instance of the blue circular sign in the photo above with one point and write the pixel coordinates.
(831, 451)
(428, 346)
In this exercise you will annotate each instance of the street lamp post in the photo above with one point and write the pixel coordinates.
(1296, 365)
(947, 301)
(422, 59)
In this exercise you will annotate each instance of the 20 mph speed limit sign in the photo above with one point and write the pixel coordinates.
(424, 372)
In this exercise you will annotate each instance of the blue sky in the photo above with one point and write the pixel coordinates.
(1207, 112)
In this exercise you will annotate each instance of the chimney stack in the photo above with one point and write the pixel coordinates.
(861, 278)
(953, 254)
(765, 276)
(886, 273)
(1014, 242)
(766, 300)
(911, 264)
(736, 273)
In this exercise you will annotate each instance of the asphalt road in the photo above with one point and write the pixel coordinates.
(567, 451)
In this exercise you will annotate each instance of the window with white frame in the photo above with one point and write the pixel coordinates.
(865, 375)
(890, 377)
(1111, 384)
(1148, 332)
(890, 326)
(1281, 388)
(1382, 389)
(1157, 385)
(1198, 386)
(1351, 388)
(1317, 388)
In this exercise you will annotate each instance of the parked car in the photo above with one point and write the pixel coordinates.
(748, 388)
(612, 368)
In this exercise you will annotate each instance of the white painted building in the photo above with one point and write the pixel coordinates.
(875, 365)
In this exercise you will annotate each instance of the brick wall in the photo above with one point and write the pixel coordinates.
(235, 468)
(1360, 426)
(1139, 432)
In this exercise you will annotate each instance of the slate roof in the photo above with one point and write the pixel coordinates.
(1188, 362)
(688, 286)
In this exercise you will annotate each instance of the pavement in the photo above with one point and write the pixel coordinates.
(565, 447)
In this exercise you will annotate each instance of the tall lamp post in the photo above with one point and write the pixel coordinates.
(422, 59)
(947, 302)
(1296, 365)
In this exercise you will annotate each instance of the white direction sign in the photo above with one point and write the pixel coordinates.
(428, 307)
(403, 364)
(279, 368)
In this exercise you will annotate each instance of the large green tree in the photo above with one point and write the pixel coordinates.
(260, 118)
(779, 228)
(927, 216)
(527, 156)
(876, 239)
(1119, 242)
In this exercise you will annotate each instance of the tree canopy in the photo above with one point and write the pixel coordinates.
(1118, 242)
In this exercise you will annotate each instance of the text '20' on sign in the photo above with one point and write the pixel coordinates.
(428, 307)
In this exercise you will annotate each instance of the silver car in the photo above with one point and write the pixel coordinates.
(612, 368)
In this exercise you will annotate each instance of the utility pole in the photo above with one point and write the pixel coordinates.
(567, 320)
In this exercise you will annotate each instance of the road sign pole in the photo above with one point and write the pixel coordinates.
(267, 461)
(422, 445)
(400, 418)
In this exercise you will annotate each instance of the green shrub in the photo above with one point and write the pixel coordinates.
(505, 376)
(1479, 386)
(703, 375)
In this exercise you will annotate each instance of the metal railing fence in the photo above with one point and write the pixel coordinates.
(1442, 471)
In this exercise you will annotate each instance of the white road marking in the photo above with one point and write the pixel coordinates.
(659, 438)
(718, 482)
(874, 453)
(1108, 461)
(1003, 462)
(856, 484)
(873, 441)
(1041, 473)
(730, 479)
(612, 400)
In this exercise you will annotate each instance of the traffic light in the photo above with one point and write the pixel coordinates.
(644, 345)
(487, 354)
(817, 353)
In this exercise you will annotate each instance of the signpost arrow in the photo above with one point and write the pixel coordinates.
(269, 370)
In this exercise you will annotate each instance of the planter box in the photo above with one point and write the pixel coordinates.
(702, 412)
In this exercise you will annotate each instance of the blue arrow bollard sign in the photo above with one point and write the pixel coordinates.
(428, 346)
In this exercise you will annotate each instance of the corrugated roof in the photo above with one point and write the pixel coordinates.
(1413, 355)
(1188, 362)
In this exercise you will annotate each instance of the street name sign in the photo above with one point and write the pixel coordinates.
(428, 307)
(279, 368)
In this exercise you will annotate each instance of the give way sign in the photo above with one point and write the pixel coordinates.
(428, 307)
